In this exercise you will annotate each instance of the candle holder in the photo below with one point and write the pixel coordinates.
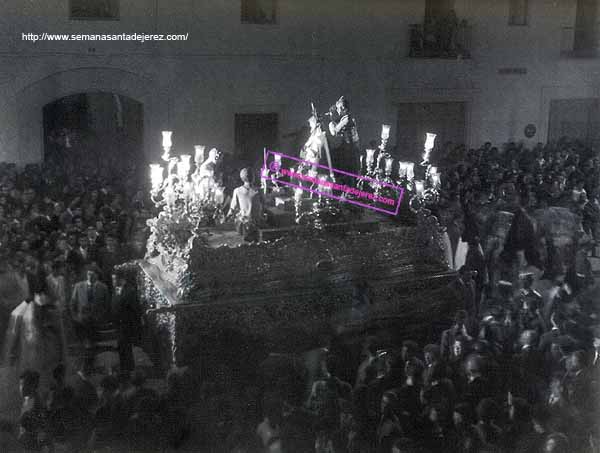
(389, 165)
(183, 167)
(410, 171)
(172, 165)
(385, 131)
(419, 187)
(402, 171)
(385, 136)
(166, 144)
(370, 160)
(429, 145)
(156, 177)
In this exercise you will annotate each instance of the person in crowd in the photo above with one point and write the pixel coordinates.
(458, 329)
(498, 351)
(90, 306)
(35, 338)
(33, 422)
(464, 289)
(127, 315)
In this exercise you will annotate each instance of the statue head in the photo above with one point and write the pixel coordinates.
(245, 175)
(342, 105)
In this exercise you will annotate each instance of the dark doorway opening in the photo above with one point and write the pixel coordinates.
(94, 133)
(253, 133)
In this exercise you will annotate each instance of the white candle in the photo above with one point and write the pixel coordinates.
(370, 156)
(402, 169)
(420, 187)
(389, 163)
(156, 175)
(385, 131)
(183, 166)
(410, 171)
(430, 141)
(166, 139)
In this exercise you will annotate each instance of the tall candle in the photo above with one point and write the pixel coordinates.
(156, 176)
(183, 166)
(370, 156)
(430, 141)
(420, 187)
(166, 139)
(402, 168)
(389, 163)
(385, 132)
(410, 171)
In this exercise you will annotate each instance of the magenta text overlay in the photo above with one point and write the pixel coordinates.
(281, 165)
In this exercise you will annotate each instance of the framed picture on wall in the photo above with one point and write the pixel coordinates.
(94, 9)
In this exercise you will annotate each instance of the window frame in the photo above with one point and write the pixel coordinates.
(512, 22)
(263, 24)
(117, 17)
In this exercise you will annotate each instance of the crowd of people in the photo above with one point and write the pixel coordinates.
(516, 371)
(63, 236)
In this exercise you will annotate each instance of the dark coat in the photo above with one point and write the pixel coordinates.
(127, 313)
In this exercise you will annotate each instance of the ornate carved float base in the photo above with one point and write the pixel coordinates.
(290, 294)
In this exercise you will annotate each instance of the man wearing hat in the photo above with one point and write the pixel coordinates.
(90, 305)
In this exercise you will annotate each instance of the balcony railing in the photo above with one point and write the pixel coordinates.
(442, 40)
(571, 48)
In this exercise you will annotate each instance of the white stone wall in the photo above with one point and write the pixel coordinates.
(319, 49)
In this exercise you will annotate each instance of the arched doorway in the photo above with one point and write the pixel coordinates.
(94, 132)
(26, 108)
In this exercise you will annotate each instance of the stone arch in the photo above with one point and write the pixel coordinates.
(31, 99)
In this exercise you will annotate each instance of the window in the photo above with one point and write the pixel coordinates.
(585, 39)
(94, 9)
(518, 12)
(259, 11)
(436, 9)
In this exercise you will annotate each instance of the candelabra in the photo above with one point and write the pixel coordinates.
(184, 205)
(426, 191)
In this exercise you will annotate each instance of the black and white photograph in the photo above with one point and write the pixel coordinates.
(300, 226)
